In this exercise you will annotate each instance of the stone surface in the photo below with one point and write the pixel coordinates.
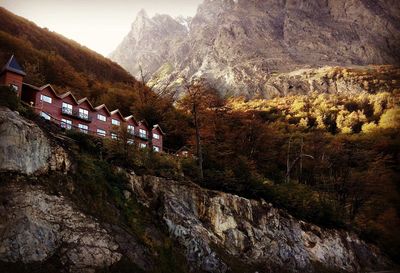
(23, 146)
(249, 230)
(238, 45)
(35, 225)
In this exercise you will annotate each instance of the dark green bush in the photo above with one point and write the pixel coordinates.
(9, 98)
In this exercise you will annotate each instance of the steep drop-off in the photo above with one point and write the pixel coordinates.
(216, 232)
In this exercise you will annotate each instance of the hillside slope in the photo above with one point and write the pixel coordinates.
(76, 213)
(48, 57)
(238, 45)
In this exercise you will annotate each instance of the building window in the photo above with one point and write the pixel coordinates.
(114, 136)
(14, 87)
(83, 128)
(115, 122)
(45, 116)
(143, 145)
(101, 117)
(156, 149)
(66, 124)
(130, 141)
(83, 113)
(131, 129)
(156, 136)
(46, 99)
(66, 108)
(101, 132)
(143, 133)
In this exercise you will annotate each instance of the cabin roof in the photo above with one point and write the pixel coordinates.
(13, 66)
(98, 108)
(86, 100)
(116, 111)
(159, 128)
(31, 86)
(131, 117)
(144, 122)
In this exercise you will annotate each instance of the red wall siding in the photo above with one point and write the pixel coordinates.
(115, 128)
(103, 125)
(54, 108)
(157, 142)
(86, 106)
(9, 78)
(134, 124)
(139, 140)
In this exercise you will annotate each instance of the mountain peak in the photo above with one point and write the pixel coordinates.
(238, 45)
(142, 13)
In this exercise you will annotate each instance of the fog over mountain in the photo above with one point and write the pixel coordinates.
(238, 45)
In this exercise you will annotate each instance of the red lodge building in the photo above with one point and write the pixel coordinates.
(70, 113)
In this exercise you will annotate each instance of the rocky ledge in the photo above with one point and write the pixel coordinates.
(214, 225)
(218, 232)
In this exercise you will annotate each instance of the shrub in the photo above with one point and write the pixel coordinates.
(9, 98)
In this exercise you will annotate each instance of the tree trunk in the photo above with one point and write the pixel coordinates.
(288, 161)
(198, 142)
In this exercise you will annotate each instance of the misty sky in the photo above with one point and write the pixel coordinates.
(97, 24)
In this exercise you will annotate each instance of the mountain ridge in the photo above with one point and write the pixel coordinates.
(238, 45)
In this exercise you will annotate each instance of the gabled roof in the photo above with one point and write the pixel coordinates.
(13, 66)
(159, 128)
(31, 86)
(131, 117)
(87, 100)
(68, 94)
(144, 122)
(98, 108)
(117, 112)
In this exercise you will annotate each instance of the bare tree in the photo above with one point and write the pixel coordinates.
(299, 158)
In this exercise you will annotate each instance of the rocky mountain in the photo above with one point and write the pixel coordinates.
(41, 226)
(239, 46)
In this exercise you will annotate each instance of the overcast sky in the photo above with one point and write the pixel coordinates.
(97, 24)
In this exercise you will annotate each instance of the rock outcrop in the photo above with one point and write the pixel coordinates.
(219, 232)
(24, 148)
(209, 223)
(34, 226)
(237, 45)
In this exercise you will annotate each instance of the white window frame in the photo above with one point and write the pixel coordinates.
(115, 122)
(130, 141)
(67, 108)
(83, 113)
(45, 116)
(46, 98)
(66, 124)
(143, 145)
(101, 117)
(131, 129)
(83, 128)
(156, 136)
(156, 149)
(101, 132)
(114, 136)
(143, 133)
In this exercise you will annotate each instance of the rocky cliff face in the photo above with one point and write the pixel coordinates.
(214, 225)
(237, 45)
(218, 232)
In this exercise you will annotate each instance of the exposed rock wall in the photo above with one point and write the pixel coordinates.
(214, 228)
(35, 225)
(249, 230)
(25, 149)
(237, 45)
